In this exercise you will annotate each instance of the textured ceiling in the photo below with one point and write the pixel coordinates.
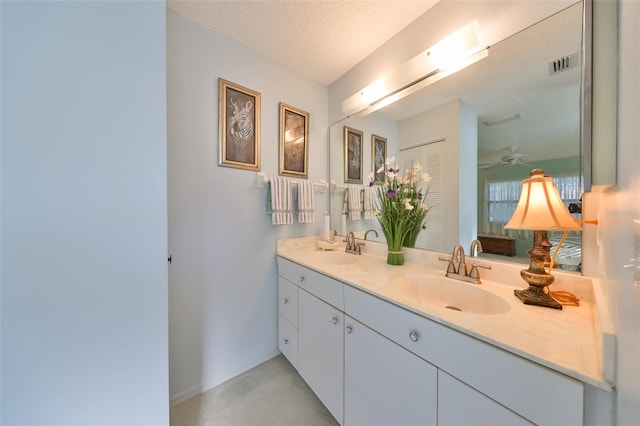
(319, 39)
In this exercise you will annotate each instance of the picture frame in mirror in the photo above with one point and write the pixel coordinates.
(353, 144)
(378, 156)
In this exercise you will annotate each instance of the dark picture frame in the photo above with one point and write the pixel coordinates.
(294, 142)
(378, 157)
(239, 126)
(353, 144)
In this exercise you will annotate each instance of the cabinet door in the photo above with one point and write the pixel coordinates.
(320, 350)
(459, 404)
(384, 383)
(288, 340)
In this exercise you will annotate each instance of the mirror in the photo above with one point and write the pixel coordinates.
(526, 115)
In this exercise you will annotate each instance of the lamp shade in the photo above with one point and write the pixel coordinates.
(540, 207)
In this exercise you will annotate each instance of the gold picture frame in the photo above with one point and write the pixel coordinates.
(239, 126)
(294, 142)
(378, 157)
(353, 143)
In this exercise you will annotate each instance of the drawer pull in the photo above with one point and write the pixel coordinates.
(301, 278)
(349, 329)
(414, 336)
(334, 320)
(286, 341)
(285, 300)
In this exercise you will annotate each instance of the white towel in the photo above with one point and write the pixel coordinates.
(369, 202)
(281, 204)
(306, 202)
(355, 205)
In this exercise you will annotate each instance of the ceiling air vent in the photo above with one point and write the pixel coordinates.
(563, 63)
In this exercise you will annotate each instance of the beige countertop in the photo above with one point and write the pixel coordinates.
(576, 341)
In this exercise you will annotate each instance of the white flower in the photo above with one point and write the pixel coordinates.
(371, 175)
(381, 169)
(408, 206)
(390, 160)
(424, 207)
(391, 175)
(417, 167)
(426, 177)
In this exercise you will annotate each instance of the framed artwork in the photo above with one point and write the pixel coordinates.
(378, 155)
(294, 141)
(239, 126)
(353, 141)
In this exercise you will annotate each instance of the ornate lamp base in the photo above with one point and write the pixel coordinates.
(537, 277)
(537, 296)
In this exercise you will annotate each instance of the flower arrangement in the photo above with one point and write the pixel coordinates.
(402, 207)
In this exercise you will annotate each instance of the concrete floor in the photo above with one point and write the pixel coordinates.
(270, 394)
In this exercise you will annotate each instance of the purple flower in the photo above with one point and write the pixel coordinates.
(391, 193)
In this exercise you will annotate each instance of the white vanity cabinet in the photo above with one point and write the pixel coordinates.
(319, 356)
(535, 393)
(384, 384)
(371, 361)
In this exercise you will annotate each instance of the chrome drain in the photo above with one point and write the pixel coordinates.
(454, 308)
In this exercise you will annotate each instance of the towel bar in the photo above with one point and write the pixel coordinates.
(262, 180)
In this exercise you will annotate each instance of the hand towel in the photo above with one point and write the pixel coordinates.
(306, 202)
(355, 205)
(281, 204)
(369, 202)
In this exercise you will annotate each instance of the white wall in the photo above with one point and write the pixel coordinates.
(617, 208)
(223, 288)
(84, 240)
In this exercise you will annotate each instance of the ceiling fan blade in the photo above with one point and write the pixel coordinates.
(489, 165)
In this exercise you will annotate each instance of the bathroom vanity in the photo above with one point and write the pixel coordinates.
(382, 344)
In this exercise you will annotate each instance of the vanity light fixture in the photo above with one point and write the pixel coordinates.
(444, 58)
(501, 120)
(540, 209)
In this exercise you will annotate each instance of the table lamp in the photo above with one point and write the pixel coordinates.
(539, 209)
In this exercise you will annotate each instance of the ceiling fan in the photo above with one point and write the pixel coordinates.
(511, 158)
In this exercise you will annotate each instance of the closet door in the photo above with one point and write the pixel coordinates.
(430, 157)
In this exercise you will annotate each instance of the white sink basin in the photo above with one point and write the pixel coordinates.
(334, 257)
(452, 294)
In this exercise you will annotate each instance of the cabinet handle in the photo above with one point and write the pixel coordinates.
(334, 320)
(301, 278)
(285, 300)
(286, 341)
(349, 329)
(414, 336)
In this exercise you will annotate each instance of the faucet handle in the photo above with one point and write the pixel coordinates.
(475, 273)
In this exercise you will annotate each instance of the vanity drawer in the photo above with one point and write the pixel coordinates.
(319, 285)
(288, 300)
(288, 340)
(513, 381)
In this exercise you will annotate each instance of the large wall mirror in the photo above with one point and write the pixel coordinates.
(526, 114)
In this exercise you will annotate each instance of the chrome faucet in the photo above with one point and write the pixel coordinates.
(475, 245)
(370, 230)
(352, 246)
